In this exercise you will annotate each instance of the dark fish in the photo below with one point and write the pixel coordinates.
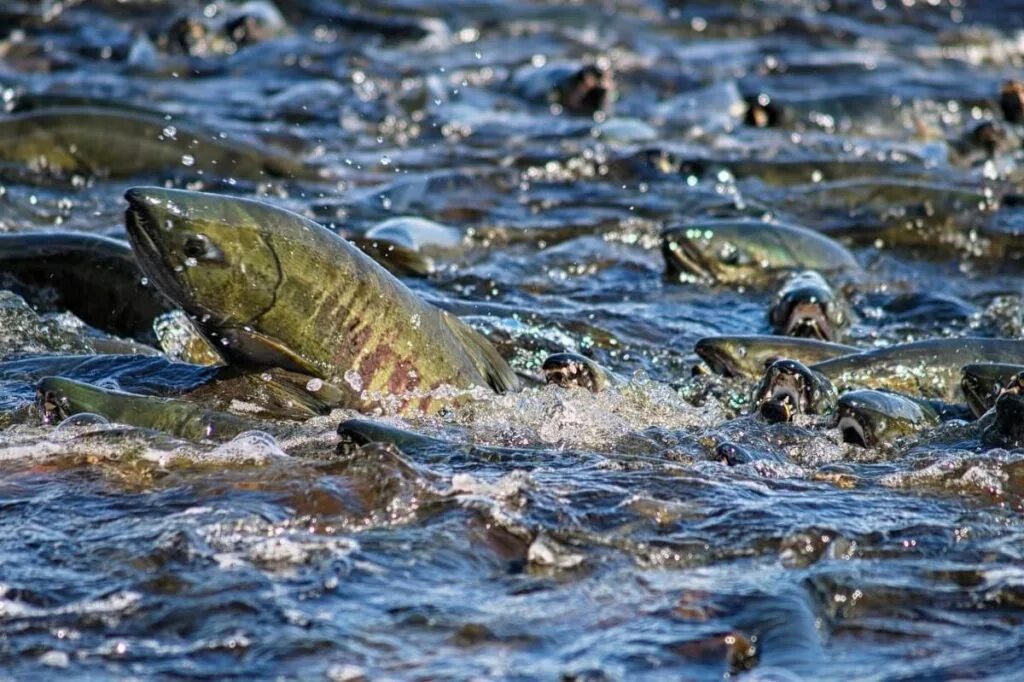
(869, 418)
(981, 383)
(95, 278)
(789, 388)
(574, 370)
(807, 307)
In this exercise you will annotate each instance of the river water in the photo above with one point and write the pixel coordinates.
(552, 533)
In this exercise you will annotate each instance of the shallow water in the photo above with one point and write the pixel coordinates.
(549, 533)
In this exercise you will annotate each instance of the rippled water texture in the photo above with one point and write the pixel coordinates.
(551, 533)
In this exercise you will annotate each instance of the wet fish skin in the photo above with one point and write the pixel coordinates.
(748, 355)
(60, 398)
(868, 418)
(570, 370)
(95, 141)
(806, 306)
(926, 369)
(1006, 428)
(748, 252)
(789, 387)
(280, 290)
(981, 383)
(581, 89)
(95, 278)
(408, 245)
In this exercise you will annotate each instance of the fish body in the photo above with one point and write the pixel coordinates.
(276, 289)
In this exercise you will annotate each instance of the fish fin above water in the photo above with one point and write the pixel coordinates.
(261, 350)
(399, 260)
(499, 376)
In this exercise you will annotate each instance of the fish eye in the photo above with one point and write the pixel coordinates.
(200, 247)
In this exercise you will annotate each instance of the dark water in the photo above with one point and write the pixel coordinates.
(548, 534)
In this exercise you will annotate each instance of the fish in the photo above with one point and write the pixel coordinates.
(1006, 428)
(981, 383)
(95, 278)
(789, 387)
(60, 398)
(869, 418)
(570, 370)
(408, 245)
(807, 307)
(103, 142)
(580, 89)
(749, 356)
(737, 252)
(276, 289)
(926, 369)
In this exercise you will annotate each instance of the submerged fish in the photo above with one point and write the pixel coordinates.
(60, 398)
(95, 278)
(103, 142)
(280, 290)
(789, 388)
(749, 356)
(927, 369)
(574, 370)
(748, 251)
(807, 307)
(578, 89)
(868, 417)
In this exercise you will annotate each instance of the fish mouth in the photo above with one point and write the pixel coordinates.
(716, 358)
(809, 321)
(853, 431)
(152, 259)
(785, 400)
(683, 258)
(53, 408)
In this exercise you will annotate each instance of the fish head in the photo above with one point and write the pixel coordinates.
(869, 417)
(710, 254)
(722, 354)
(573, 370)
(208, 253)
(981, 384)
(788, 388)
(808, 308)
(58, 398)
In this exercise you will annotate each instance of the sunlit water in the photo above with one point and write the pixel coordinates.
(551, 533)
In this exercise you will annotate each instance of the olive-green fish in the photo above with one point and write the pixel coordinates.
(926, 369)
(868, 418)
(749, 356)
(277, 289)
(95, 278)
(748, 251)
(101, 142)
(60, 398)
